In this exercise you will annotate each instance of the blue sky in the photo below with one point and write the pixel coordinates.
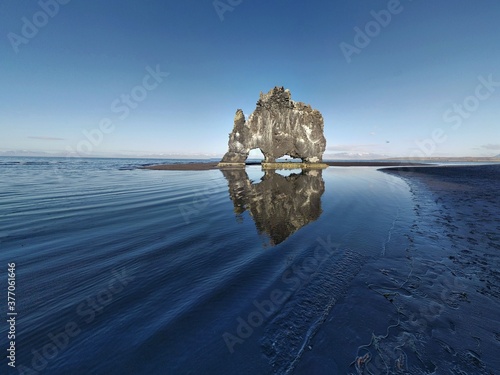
(425, 82)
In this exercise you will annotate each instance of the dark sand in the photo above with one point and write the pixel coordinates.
(469, 202)
(213, 165)
(370, 163)
(463, 207)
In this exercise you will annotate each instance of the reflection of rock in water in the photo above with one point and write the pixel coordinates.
(279, 205)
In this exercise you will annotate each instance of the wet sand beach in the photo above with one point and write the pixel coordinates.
(462, 206)
(467, 199)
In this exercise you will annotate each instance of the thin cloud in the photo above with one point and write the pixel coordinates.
(47, 138)
(352, 148)
(491, 146)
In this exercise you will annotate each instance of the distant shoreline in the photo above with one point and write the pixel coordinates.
(196, 166)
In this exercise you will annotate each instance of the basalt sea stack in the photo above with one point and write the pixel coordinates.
(278, 126)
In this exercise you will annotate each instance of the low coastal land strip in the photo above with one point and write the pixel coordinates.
(400, 162)
(200, 166)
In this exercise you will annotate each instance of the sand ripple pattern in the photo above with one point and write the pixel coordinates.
(288, 334)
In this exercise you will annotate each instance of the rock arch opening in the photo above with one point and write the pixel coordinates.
(255, 154)
(289, 159)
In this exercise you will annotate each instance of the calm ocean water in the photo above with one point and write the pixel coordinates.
(127, 271)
